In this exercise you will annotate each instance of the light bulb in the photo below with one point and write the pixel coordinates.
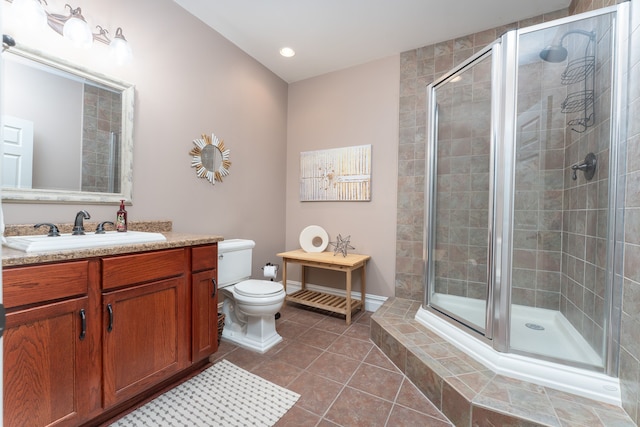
(30, 13)
(77, 30)
(287, 52)
(120, 49)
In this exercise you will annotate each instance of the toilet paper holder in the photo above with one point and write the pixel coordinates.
(271, 270)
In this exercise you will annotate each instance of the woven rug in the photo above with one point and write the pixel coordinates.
(223, 395)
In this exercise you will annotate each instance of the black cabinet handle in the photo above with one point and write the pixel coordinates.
(83, 323)
(215, 287)
(3, 319)
(110, 310)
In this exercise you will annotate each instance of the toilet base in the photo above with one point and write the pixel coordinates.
(260, 346)
(256, 333)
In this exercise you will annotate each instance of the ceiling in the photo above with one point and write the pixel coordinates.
(330, 35)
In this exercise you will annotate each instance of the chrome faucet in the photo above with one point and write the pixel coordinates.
(78, 225)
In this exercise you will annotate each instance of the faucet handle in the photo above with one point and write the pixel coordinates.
(100, 228)
(53, 229)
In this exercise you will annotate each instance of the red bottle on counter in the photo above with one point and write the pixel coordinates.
(121, 218)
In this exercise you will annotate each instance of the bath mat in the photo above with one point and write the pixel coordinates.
(222, 395)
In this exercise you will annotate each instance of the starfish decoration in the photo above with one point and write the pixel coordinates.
(341, 245)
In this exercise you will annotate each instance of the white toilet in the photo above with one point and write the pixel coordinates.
(249, 305)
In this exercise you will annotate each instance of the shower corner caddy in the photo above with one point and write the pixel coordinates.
(328, 261)
(577, 71)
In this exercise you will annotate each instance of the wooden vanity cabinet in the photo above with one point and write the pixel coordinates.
(145, 323)
(204, 302)
(86, 339)
(47, 345)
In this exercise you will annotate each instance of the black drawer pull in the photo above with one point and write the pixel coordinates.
(83, 323)
(215, 287)
(110, 310)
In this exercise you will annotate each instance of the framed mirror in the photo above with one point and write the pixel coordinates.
(210, 158)
(68, 132)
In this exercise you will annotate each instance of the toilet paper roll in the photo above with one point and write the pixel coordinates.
(270, 271)
(314, 239)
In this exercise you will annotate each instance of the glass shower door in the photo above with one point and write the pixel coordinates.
(561, 243)
(459, 205)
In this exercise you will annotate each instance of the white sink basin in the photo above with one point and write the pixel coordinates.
(65, 242)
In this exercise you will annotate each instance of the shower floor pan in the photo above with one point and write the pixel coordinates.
(533, 330)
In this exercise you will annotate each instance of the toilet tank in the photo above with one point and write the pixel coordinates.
(234, 261)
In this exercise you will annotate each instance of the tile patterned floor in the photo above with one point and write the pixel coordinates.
(342, 377)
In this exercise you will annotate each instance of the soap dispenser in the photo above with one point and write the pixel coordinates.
(121, 218)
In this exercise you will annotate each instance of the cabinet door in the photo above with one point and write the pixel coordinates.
(145, 337)
(204, 311)
(46, 358)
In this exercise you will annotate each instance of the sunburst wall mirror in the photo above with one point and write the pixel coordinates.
(210, 158)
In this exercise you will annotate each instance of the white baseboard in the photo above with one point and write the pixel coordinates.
(371, 302)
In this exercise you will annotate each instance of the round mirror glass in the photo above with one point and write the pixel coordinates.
(210, 158)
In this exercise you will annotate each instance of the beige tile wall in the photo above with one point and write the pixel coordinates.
(418, 68)
(102, 111)
(462, 200)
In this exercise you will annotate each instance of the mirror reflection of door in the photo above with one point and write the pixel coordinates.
(17, 159)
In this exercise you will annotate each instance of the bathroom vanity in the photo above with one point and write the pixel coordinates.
(91, 332)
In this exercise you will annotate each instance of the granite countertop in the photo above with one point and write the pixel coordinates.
(12, 257)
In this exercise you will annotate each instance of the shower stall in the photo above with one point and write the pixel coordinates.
(523, 198)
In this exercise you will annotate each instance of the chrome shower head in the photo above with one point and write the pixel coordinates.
(554, 53)
(557, 52)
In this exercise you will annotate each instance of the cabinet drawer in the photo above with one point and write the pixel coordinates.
(131, 269)
(204, 258)
(29, 285)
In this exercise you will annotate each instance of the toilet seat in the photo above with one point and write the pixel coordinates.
(258, 288)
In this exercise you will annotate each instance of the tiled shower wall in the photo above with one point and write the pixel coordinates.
(102, 113)
(584, 255)
(462, 202)
(418, 68)
(540, 141)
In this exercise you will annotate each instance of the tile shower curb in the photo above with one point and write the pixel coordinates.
(467, 392)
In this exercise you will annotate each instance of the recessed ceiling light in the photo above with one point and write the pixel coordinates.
(287, 52)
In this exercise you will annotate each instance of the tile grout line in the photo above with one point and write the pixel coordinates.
(345, 385)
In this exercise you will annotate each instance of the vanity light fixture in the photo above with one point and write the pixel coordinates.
(287, 52)
(73, 27)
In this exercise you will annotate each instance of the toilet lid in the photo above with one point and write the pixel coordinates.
(258, 288)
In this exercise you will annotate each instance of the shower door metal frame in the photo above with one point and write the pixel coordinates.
(502, 177)
(494, 51)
